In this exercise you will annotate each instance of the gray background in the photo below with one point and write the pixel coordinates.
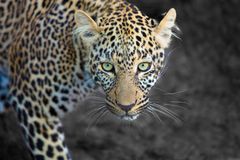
(204, 68)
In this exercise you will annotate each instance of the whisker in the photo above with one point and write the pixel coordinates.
(174, 93)
(146, 116)
(160, 111)
(167, 112)
(175, 35)
(99, 114)
(99, 92)
(165, 65)
(164, 71)
(158, 107)
(181, 102)
(144, 113)
(94, 111)
(170, 93)
(142, 108)
(155, 115)
(97, 103)
(104, 113)
(95, 98)
(174, 105)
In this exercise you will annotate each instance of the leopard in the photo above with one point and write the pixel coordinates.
(55, 53)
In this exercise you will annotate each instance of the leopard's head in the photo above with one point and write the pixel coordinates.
(126, 56)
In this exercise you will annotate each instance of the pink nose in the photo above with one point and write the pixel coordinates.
(126, 108)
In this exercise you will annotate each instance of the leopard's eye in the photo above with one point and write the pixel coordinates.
(144, 66)
(107, 67)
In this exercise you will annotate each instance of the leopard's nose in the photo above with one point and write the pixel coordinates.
(126, 108)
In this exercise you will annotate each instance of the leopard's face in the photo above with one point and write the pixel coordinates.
(126, 68)
(126, 58)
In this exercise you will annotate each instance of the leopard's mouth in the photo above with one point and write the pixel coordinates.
(127, 116)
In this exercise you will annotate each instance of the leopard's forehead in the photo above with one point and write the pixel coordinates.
(127, 37)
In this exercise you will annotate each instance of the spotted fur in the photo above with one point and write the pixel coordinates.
(53, 50)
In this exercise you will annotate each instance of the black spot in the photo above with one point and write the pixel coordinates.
(54, 137)
(56, 87)
(2, 12)
(64, 99)
(25, 118)
(45, 100)
(37, 126)
(138, 17)
(109, 33)
(137, 43)
(64, 91)
(39, 157)
(55, 79)
(112, 38)
(46, 32)
(161, 54)
(31, 130)
(150, 44)
(28, 105)
(50, 151)
(136, 29)
(20, 98)
(40, 144)
(62, 107)
(45, 135)
(60, 129)
(144, 34)
(19, 114)
(40, 82)
(30, 142)
(48, 92)
(14, 104)
(33, 84)
(64, 2)
(60, 158)
(55, 99)
(139, 38)
(59, 148)
(52, 111)
(88, 34)
(78, 4)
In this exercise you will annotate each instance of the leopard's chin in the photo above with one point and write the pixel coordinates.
(129, 117)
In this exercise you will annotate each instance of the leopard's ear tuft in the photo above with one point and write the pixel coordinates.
(164, 30)
(87, 28)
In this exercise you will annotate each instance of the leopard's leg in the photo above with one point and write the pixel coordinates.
(45, 138)
(44, 135)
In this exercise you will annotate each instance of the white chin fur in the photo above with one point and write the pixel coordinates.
(129, 118)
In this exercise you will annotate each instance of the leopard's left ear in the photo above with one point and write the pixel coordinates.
(87, 28)
(163, 31)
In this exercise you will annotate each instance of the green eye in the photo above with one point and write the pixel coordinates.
(108, 67)
(144, 66)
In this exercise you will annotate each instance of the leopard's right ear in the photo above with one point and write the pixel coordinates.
(164, 31)
(87, 28)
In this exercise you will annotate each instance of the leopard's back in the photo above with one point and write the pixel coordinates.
(13, 16)
(11, 21)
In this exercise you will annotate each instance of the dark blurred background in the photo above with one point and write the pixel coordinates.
(202, 80)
